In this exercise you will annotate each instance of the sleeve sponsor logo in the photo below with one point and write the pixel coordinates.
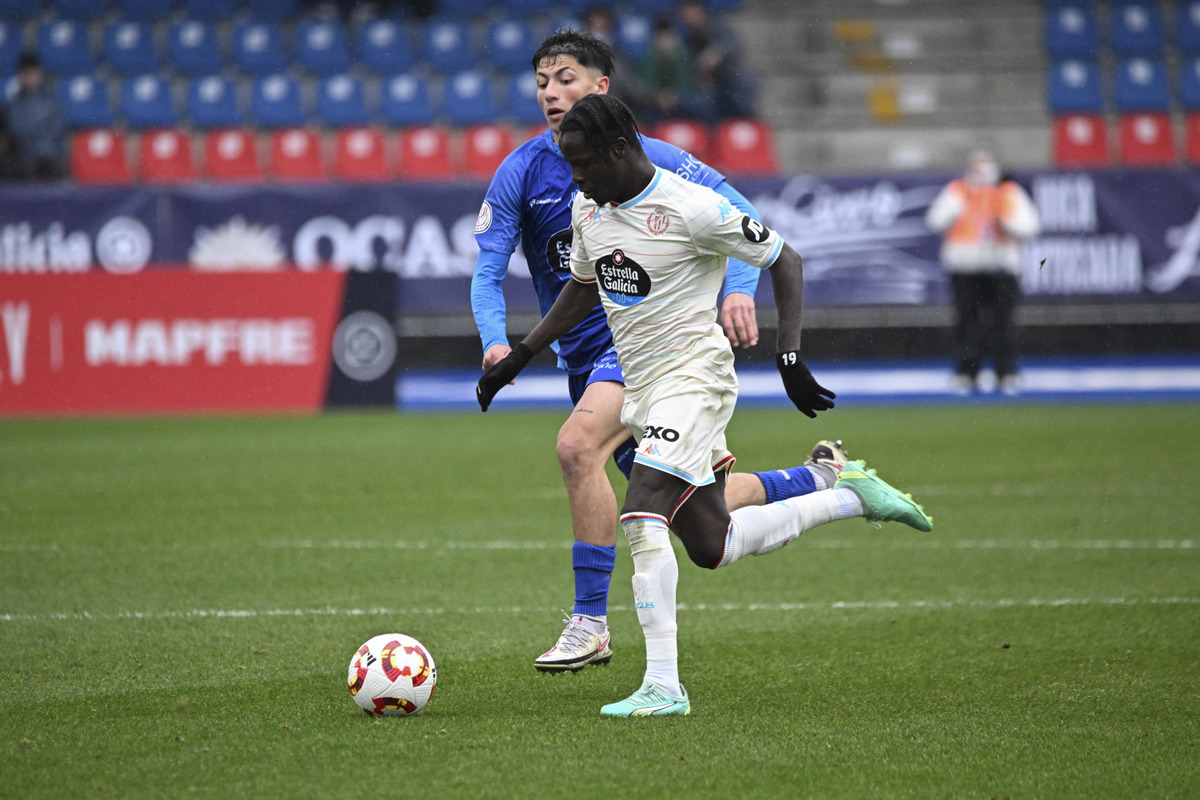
(754, 230)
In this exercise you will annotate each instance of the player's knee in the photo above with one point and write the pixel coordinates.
(577, 452)
(705, 552)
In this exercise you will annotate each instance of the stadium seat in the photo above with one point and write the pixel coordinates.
(148, 11)
(64, 48)
(1187, 27)
(295, 155)
(232, 156)
(129, 48)
(1136, 28)
(464, 8)
(146, 102)
(1081, 140)
(721, 6)
(1071, 31)
(1189, 83)
(1191, 138)
(634, 34)
(99, 156)
(527, 8)
(10, 47)
(192, 48)
(405, 100)
(84, 100)
(342, 102)
(1147, 140)
(321, 47)
(272, 10)
(275, 102)
(425, 153)
(80, 10)
(447, 45)
(165, 156)
(258, 48)
(522, 107)
(383, 45)
(20, 10)
(360, 155)
(210, 10)
(686, 135)
(484, 147)
(470, 98)
(509, 45)
(1141, 85)
(1073, 86)
(744, 146)
(212, 103)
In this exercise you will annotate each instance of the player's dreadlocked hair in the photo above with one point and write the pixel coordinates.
(602, 119)
(590, 51)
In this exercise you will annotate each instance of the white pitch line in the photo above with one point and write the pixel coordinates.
(841, 605)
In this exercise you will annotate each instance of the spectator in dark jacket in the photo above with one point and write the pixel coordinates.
(716, 58)
(37, 132)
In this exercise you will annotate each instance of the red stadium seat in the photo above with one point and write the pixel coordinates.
(484, 147)
(99, 156)
(1191, 134)
(296, 155)
(165, 156)
(686, 135)
(425, 153)
(1147, 140)
(360, 155)
(232, 155)
(746, 147)
(1081, 140)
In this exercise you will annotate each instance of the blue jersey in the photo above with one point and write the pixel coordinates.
(529, 201)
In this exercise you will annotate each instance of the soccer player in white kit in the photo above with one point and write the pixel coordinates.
(654, 248)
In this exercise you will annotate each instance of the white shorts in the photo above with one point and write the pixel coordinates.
(679, 423)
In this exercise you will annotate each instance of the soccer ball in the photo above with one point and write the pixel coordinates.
(392, 675)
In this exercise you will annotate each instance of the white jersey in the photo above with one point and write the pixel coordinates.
(660, 261)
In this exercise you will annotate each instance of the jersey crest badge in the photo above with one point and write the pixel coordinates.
(658, 221)
(484, 220)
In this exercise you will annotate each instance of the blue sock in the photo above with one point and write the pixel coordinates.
(784, 483)
(593, 572)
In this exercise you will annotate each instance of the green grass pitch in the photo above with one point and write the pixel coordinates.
(179, 600)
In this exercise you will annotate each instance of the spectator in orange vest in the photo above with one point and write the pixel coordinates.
(983, 218)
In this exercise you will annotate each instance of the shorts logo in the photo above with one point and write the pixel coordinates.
(754, 230)
(622, 279)
(484, 220)
(659, 432)
(558, 251)
(658, 221)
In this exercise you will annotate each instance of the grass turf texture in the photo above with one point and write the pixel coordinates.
(179, 600)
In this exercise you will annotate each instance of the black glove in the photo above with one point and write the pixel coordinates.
(801, 387)
(501, 374)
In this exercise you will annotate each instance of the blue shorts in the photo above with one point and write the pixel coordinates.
(605, 368)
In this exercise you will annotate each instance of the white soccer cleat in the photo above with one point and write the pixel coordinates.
(829, 454)
(575, 649)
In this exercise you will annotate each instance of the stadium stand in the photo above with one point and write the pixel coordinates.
(383, 45)
(81, 10)
(1081, 140)
(1072, 31)
(296, 155)
(425, 153)
(321, 47)
(360, 154)
(100, 156)
(1189, 83)
(258, 48)
(85, 103)
(341, 102)
(1187, 27)
(272, 10)
(447, 45)
(146, 102)
(65, 48)
(10, 47)
(129, 48)
(1147, 140)
(1136, 29)
(509, 45)
(166, 157)
(686, 135)
(521, 95)
(1141, 85)
(212, 103)
(406, 101)
(464, 8)
(470, 98)
(526, 8)
(193, 49)
(1075, 86)
(744, 147)
(484, 147)
(210, 10)
(19, 10)
(147, 11)
(232, 156)
(275, 102)
(634, 33)
(1191, 139)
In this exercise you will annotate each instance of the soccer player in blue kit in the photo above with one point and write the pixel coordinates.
(529, 201)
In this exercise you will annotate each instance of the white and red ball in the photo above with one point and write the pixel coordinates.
(392, 675)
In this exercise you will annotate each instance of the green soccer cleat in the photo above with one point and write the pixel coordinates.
(881, 502)
(650, 701)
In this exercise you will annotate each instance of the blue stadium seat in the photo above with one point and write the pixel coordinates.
(129, 48)
(1189, 83)
(470, 98)
(1071, 31)
(1074, 86)
(634, 34)
(342, 102)
(65, 48)
(527, 8)
(272, 10)
(321, 47)
(383, 45)
(212, 102)
(145, 10)
(406, 100)
(80, 10)
(721, 6)
(20, 10)
(1141, 85)
(11, 47)
(1187, 27)
(275, 102)
(464, 8)
(522, 107)
(84, 100)
(510, 44)
(562, 23)
(1136, 28)
(447, 45)
(146, 102)
(258, 48)
(192, 48)
(211, 10)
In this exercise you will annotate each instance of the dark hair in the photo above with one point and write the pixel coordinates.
(602, 119)
(590, 51)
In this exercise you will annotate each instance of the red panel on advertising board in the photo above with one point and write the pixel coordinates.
(166, 341)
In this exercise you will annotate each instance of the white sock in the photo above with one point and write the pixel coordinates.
(655, 576)
(824, 477)
(757, 530)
